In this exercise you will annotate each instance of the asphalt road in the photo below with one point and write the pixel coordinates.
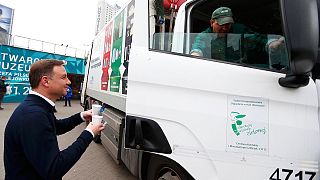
(95, 163)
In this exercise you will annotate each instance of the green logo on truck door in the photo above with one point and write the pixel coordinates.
(236, 121)
(247, 125)
(238, 126)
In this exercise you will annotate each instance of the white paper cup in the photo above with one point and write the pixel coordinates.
(96, 119)
(96, 109)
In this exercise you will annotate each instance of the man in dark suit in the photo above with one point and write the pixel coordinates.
(31, 148)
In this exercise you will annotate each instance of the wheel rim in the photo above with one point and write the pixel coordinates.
(166, 173)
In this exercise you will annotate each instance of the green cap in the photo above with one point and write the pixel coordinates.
(223, 15)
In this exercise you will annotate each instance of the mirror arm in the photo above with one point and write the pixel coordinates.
(294, 81)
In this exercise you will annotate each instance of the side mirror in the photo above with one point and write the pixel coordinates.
(301, 29)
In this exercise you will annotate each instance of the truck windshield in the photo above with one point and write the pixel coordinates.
(254, 37)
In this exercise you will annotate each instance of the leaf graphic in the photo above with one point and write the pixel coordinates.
(235, 129)
(240, 116)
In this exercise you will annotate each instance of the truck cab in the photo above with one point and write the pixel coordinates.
(252, 113)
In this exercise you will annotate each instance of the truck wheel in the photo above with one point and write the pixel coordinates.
(161, 168)
(97, 139)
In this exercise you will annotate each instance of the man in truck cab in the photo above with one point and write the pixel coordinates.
(221, 40)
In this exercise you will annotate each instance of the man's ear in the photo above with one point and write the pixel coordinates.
(44, 81)
(211, 22)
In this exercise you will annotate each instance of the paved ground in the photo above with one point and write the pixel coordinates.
(95, 163)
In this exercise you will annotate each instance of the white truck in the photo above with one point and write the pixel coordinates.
(250, 114)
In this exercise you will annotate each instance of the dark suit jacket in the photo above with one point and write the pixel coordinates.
(30, 142)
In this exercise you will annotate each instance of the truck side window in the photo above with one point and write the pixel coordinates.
(248, 34)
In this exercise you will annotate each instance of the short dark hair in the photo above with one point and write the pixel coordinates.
(42, 68)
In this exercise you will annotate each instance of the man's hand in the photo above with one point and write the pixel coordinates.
(87, 115)
(96, 128)
(195, 54)
(277, 43)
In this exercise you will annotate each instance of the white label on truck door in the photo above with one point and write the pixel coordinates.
(248, 125)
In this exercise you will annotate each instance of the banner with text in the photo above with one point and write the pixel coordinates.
(15, 65)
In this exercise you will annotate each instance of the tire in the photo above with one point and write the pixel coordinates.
(161, 168)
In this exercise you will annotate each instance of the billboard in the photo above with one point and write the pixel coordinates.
(108, 68)
(116, 57)
(15, 65)
(127, 45)
(6, 18)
